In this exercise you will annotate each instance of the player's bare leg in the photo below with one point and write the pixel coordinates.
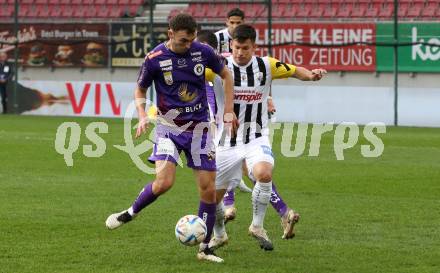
(262, 171)
(165, 176)
(207, 211)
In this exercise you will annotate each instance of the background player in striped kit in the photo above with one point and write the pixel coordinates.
(177, 68)
(252, 81)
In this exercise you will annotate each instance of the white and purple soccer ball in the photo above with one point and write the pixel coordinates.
(190, 230)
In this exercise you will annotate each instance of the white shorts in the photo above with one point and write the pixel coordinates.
(230, 160)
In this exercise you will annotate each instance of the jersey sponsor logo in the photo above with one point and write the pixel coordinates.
(165, 63)
(168, 77)
(248, 97)
(196, 53)
(199, 69)
(153, 54)
(165, 146)
(168, 68)
(185, 95)
(190, 109)
(267, 150)
(197, 59)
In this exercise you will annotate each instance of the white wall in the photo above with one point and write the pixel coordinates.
(361, 97)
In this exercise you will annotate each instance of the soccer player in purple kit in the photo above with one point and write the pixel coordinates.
(177, 68)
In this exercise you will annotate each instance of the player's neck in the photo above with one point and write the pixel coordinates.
(169, 45)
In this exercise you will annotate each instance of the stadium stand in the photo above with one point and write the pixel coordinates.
(59, 9)
(320, 9)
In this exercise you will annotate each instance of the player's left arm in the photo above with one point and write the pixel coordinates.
(282, 70)
(228, 86)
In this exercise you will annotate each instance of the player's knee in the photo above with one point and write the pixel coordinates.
(264, 176)
(161, 185)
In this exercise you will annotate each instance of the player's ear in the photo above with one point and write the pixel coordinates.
(170, 34)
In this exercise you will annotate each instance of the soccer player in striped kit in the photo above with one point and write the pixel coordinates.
(235, 17)
(252, 82)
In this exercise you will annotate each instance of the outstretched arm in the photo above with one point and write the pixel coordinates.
(304, 74)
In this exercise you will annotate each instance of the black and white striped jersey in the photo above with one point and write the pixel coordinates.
(252, 84)
(223, 41)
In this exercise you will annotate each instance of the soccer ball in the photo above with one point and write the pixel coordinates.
(190, 230)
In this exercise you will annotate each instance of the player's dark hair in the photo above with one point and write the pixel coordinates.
(243, 32)
(207, 36)
(183, 21)
(236, 12)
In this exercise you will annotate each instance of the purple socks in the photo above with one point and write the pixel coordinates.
(146, 197)
(207, 213)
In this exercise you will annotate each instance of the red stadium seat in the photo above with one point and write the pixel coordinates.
(429, 10)
(115, 12)
(291, 11)
(278, 10)
(79, 11)
(27, 1)
(88, 2)
(137, 2)
(53, 11)
(330, 11)
(7, 11)
(359, 10)
(316, 11)
(387, 10)
(344, 10)
(101, 3)
(415, 10)
(41, 1)
(304, 10)
(44, 11)
(123, 2)
(23, 11)
(403, 9)
(90, 12)
(66, 11)
(103, 11)
(112, 2)
(76, 2)
(372, 11)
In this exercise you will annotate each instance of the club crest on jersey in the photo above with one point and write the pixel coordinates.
(185, 95)
(260, 76)
(243, 77)
(181, 62)
(168, 77)
(199, 69)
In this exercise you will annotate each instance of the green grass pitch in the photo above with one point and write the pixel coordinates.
(358, 215)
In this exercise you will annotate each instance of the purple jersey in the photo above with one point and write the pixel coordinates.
(211, 98)
(179, 80)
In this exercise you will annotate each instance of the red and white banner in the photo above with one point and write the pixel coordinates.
(321, 36)
(68, 98)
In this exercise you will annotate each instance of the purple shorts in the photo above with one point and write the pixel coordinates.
(198, 149)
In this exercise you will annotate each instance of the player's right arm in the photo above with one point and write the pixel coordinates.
(282, 70)
(140, 95)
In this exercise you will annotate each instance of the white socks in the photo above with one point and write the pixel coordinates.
(219, 226)
(260, 200)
